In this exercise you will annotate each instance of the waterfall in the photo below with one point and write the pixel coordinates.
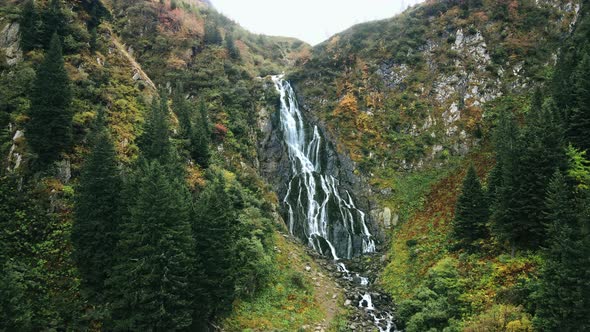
(319, 211)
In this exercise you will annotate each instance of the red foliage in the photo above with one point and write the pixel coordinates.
(220, 131)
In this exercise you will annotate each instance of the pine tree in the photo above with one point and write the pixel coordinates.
(471, 211)
(200, 148)
(579, 126)
(155, 141)
(93, 40)
(204, 119)
(563, 301)
(494, 182)
(151, 283)
(29, 26)
(505, 224)
(98, 212)
(184, 114)
(201, 138)
(543, 152)
(230, 45)
(54, 22)
(215, 232)
(49, 130)
(15, 310)
(528, 158)
(212, 34)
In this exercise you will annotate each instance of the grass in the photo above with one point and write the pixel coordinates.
(294, 300)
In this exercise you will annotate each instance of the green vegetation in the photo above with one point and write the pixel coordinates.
(122, 231)
(471, 212)
(129, 189)
(150, 282)
(403, 97)
(50, 124)
(98, 215)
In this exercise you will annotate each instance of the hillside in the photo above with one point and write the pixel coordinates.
(414, 100)
(120, 58)
(426, 172)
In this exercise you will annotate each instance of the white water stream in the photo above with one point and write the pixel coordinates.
(310, 196)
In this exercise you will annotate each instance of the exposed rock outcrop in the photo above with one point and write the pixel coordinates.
(10, 44)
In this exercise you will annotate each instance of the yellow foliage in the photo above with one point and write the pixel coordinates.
(175, 63)
(194, 178)
(362, 122)
(523, 325)
(347, 107)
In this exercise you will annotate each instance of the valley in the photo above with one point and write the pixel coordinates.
(164, 169)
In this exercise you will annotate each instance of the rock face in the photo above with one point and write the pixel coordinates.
(385, 217)
(276, 166)
(10, 43)
(14, 156)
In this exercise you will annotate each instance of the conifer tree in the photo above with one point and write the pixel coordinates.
(528, 159)
(471, 211)
(215, 232)
(230, 45)
(494, 182)
(155, 141)
(29, 26)
(151, 282)
(93, 40)
(49, 130)
(201, 138)
(212, 34)
(563, 300)
(98, 212)
(54, 22)
(505, 224)
(184, 114)
(15, 311)
(579, 126)
(543, 152)
(204, 119)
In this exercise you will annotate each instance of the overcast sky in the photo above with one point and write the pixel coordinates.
(312, 21)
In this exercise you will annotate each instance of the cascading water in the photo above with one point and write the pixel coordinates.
(318, 210)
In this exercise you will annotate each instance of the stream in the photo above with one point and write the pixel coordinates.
(319, 211)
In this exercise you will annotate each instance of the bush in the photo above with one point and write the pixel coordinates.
(436, 305)
(298, 280)
(499, 318)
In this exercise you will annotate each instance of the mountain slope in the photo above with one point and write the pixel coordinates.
(413, 100)
(120, 56)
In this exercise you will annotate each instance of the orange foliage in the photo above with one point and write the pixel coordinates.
(194, 178)
(474, 116)
(219, 131)
(175, 63)
(480, 17)
(347, 107)
(181, 23)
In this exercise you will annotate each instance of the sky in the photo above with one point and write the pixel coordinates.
(312, 21)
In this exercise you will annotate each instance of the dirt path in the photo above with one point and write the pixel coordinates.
(329, 296)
